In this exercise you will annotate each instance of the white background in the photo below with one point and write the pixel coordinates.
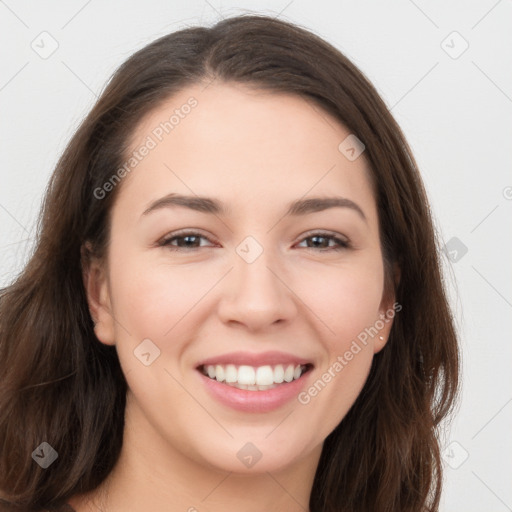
(455, 112)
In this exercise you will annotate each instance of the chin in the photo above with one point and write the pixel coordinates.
(255, 456)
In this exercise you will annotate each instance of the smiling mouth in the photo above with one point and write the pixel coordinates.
(255, 378)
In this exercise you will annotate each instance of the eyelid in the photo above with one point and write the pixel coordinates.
(183, 233)
(326, 233)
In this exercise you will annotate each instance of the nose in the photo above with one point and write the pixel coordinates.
(256, 295)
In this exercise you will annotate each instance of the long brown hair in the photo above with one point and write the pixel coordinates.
(60, 385)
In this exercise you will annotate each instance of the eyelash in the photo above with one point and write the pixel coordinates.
(342, 244)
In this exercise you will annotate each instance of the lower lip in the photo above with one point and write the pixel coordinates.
(254, 401)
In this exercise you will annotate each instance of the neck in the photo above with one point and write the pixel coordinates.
(151, 474)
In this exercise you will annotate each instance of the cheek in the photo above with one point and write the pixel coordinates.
(155, 302)
(345, 300)
(348, 305)
(152, 299)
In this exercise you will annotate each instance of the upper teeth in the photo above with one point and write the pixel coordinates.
(254, 376)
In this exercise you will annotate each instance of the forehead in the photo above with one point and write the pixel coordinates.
(243, 146)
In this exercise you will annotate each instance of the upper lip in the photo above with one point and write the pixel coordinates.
(255, 359)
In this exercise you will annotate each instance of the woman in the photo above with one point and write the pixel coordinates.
(235, 301)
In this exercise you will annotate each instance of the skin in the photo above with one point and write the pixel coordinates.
(256, 152)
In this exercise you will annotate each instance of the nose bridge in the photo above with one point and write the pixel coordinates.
(252, 270)
(256, 294)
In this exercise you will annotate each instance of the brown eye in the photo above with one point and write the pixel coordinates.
(321, 241)
(189, 241)
(185, 241)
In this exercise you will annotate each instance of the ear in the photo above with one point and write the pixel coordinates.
(95, 279)
(387, 311)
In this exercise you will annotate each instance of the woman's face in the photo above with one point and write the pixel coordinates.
(242, 285)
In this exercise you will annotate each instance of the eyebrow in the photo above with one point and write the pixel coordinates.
(215, 207)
